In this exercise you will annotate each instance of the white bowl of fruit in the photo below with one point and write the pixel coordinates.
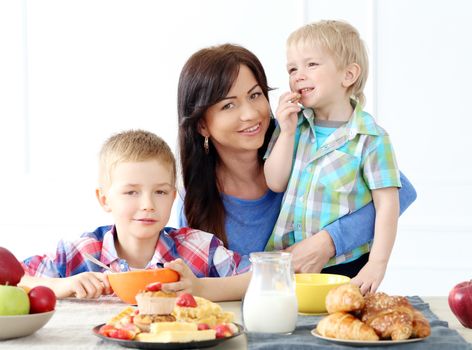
(22, 311)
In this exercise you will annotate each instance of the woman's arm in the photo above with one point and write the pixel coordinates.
(343, 235)
(356, 229)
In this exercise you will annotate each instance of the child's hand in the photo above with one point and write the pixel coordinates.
(84, 285)
(287, 110)
(369, 277)
(188, 282)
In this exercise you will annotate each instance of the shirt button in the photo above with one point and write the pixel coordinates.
(299, 226)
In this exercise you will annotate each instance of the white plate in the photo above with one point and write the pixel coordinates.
(366, 342)
(22, 325)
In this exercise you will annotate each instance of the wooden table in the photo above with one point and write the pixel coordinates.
(441, 308)
(71, 326)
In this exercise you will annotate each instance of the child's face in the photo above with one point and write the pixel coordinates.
(140, 198)
(314, 75)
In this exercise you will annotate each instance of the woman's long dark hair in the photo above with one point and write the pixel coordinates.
(205, 80)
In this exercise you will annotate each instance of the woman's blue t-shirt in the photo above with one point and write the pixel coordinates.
(249, 222)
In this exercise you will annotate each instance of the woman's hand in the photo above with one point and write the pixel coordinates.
(311, 254)
(188, 282)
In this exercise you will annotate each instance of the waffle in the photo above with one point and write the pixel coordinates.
(205, 312)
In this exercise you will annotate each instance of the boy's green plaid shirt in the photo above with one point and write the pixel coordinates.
(334, 180)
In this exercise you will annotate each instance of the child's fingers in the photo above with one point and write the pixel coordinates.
(103, 278)
(79, 291)
(177, 287)
(284, 97)
(92, 286)
(290, 97)
(177, 265)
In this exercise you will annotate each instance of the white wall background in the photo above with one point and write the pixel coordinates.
(74, 72)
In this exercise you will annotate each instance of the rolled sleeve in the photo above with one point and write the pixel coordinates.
(357, 228)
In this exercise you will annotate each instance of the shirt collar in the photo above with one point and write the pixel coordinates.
(165, 244)
(360, 122)
(109, 254)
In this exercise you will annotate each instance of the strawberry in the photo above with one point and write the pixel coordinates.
(223, 330)
(106, 329)
(203, 326)
(121, 333)
(132, 329)
(154, 287)
(186, 300)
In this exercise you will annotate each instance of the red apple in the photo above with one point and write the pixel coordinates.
(11, 270)
(42, 299)
(460, 302)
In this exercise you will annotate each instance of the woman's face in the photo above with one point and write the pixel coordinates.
(238, 122)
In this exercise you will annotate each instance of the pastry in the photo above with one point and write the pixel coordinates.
(390, 316)
(421, 327)
(346, 297)
(342, 325)
(154, 301)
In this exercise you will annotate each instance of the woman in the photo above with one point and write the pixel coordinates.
(224, 126)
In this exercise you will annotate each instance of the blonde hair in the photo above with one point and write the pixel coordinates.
(133, 146)
(343, 42)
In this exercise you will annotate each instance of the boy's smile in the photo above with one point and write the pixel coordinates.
(314, 75)
(140, 198)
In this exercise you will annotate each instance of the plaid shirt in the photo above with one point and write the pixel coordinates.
(202, 251)
(334, 180)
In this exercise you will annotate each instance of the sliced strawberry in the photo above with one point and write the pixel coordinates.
(133, 329)
(106, 329)
(203, 326)
(154, 287)
(186, 300)
(223, 331)
(121, 333)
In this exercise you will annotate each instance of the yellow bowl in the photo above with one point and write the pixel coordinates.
(311, 290)
(127, 284)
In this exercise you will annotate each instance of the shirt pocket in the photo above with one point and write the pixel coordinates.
(339, 171)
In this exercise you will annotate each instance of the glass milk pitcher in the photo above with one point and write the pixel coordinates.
(270, 304)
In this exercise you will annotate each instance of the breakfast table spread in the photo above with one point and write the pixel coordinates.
(72, 324)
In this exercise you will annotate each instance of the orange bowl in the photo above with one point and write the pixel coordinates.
(127, 284)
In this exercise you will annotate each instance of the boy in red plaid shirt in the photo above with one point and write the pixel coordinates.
(137, 187)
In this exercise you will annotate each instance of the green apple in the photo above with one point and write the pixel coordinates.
(13, 301)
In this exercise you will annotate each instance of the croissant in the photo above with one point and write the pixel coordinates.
(390, 316)
(421, 327)
(346, 297)
(343, 325)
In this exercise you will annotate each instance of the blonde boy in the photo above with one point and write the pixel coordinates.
(330, 156)
(137, 187)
